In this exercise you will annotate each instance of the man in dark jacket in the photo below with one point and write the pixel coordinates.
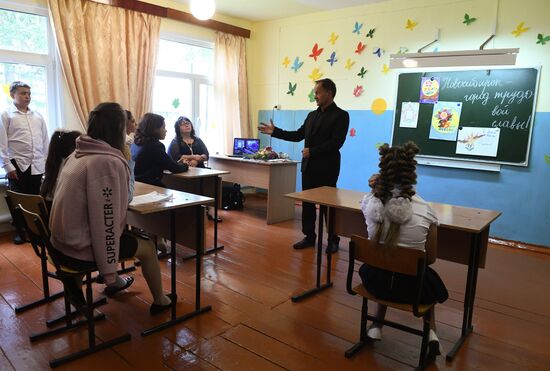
(324, 131)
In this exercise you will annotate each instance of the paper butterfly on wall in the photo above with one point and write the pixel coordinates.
(333, 38)
(315, 52)
(357, 28)
(547, 159)
(358, 90)
(286, 62)
(349, 64)
(360, 48)
(402, 50)
(371, 33)
(297, 64)
(520, 29)
(176, 103)
(352, 132)
(378, 52)
(411, 24)
(385, 68)
(542, 40)
(291, 88)
(332, 58)
(315, 74)
(468, 20)
(362, 72)
(311, 96)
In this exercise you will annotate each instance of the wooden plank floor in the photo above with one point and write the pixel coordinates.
(255, 326)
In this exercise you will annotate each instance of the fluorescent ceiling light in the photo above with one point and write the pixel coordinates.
(490, 57)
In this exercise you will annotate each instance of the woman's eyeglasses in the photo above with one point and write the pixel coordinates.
(182, 120)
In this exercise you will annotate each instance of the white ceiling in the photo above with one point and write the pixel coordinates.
(263, 10)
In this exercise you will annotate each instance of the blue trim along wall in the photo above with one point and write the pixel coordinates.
(522, 194)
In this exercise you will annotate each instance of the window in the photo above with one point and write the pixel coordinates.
(25, 50)
(183, 87)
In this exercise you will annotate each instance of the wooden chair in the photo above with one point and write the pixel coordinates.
(36, 204)
(395, 259)
(39, 234)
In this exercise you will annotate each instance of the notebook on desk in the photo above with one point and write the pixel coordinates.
(244, 146)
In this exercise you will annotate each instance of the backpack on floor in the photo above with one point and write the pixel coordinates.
(232, 197)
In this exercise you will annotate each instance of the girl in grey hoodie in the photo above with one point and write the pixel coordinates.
(88, 215)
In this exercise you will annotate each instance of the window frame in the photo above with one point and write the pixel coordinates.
(196, 79)
(49, 61)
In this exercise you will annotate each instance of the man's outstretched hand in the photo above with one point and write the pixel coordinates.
(266, 128)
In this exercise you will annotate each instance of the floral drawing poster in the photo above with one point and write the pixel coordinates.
(445, 120)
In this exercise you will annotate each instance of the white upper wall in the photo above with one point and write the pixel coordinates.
(293, 37)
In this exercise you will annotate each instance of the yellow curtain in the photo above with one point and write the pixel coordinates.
(231, 89)
(107, 54)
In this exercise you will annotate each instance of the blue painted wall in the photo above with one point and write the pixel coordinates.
(522, 194)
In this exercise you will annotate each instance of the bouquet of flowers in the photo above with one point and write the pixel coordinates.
(264, 154)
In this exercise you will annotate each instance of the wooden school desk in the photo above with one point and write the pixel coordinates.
(160, 218)
(462, 237)
(279, 178)
(204, 182)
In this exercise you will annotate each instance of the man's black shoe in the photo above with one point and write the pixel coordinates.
(333, 246)
(18, 240)
(305, 243)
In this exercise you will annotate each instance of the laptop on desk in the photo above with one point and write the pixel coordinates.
(244, 146)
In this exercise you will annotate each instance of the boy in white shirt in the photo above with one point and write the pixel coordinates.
(23, 143)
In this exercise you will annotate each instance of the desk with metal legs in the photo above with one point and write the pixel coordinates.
(462, 237)
(205, 182)
(160, 218)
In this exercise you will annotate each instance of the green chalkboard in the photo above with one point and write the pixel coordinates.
(501, 98)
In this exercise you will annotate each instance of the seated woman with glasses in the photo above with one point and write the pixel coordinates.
(149, 153)
(186, 147)
(189, 149)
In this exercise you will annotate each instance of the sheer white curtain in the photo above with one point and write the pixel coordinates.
(230, 91)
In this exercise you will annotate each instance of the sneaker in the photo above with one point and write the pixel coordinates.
(112, 290)
(374, 333)
(434, 347)
(162, 245)
(304, 243)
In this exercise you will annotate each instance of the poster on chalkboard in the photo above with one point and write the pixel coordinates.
(409, 114)
(445, 120)
(429, 90)
(478, 141)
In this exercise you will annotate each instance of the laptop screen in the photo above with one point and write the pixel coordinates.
(245, 146)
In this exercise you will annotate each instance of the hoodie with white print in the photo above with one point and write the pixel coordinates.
(90, 203)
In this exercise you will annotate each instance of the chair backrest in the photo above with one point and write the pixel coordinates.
(37, 231)
(392, 258)
(431, 245)
(32, 203)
